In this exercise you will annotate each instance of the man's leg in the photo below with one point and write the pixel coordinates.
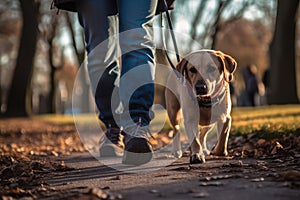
(100, 23)
(137, 76)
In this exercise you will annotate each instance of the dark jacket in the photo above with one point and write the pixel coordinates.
(70, 5)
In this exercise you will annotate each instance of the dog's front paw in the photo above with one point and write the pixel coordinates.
(206, 152)
(197, 159)
(177, 154)
(219, 153)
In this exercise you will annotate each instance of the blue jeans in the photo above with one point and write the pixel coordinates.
(115, 28)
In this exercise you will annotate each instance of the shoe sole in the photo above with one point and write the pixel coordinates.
(110, 151)
(138, 151)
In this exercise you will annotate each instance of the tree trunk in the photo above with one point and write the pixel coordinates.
(283, 87)
(51, 104)
(216, 25)
(84, 81)
(16, 104)
(52, 93)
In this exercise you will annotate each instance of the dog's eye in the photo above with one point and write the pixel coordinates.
(211, 70)
(193, 70)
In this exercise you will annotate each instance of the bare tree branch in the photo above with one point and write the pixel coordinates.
(197, 19)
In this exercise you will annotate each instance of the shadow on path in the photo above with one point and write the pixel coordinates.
(84, 167)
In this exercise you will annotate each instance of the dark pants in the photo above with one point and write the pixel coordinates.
(120, 31)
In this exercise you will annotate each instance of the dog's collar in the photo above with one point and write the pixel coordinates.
(210, 101)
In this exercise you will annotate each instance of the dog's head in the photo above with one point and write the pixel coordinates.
(205, 70)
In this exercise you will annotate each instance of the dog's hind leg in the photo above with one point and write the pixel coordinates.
(176, 148)
(203, 134)
(173, 108)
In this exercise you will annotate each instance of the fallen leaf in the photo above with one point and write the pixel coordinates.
(261, 142)
(54, 153)
(154, 191)
(98, 193)
(291, 175)
(213, 183)
(277, 148)
(260, 179)
(200, 194)
(7, 198)
(238, 163)
(218, 177)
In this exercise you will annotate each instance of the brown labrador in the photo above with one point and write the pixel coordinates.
(202, 93)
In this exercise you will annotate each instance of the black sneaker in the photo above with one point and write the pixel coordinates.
(111, 145)
(138, 149)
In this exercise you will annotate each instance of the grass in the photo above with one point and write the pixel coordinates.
(265, 120)
(269, 121)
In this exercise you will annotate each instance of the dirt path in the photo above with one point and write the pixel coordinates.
(216, 179)
(41, 160)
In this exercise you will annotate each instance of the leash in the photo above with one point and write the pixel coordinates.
(202, 102)
(170, 24)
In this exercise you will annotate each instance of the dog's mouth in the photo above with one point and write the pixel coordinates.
(202, 94)
(207, 96)
(204, 99)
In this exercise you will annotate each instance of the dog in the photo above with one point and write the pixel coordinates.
(200, 88)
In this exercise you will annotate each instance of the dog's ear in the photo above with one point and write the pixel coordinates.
(182, 66)
(229, 66)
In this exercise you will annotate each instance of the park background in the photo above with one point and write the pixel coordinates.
(43, 157)
(42, 49)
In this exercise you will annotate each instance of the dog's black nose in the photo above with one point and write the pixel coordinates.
(201, 87)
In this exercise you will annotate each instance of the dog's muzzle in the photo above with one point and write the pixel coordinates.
(205, 100)
(201, 88)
